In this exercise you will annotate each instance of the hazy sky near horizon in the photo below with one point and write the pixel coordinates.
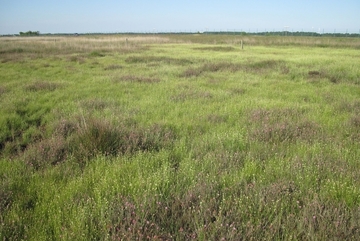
(109, 16)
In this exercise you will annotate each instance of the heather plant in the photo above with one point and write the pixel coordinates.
(179, 137)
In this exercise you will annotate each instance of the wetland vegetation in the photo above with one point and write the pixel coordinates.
(179, 137)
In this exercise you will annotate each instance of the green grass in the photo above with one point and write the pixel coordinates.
(179, 137)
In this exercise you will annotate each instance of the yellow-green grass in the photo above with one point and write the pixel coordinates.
(179, 137)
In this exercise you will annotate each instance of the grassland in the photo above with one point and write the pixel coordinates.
(179, 137)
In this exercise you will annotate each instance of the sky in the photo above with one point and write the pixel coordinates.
(112, 16)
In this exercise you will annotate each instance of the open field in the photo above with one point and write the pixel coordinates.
(179, 137)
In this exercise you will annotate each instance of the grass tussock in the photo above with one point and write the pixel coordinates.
(46, 152)
(214, 118)
(217, 49)
(23, 126)
(95, 104)
(204, 212)
(84, 139)
(3, 90)
(282, 125)
(333, 77)
(354, 127)
(96, 54)
(265, 65)
(256, 67)
(176, 220)
(98, 137)
(237, 91)
(157, 60)
(286, 132)
(210, 67)
(349, 106)
(42, 86)
(191, 95)
(113, 67)
(76, 59)
(137, 79)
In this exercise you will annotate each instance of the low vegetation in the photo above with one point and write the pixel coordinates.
(179, 137)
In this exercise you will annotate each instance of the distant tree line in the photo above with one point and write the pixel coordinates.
(243, 33)
(288, 33)
(30, 33)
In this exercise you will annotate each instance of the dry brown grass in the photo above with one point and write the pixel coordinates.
(17, 48)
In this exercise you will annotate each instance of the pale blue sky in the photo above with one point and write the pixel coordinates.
(109, 16)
